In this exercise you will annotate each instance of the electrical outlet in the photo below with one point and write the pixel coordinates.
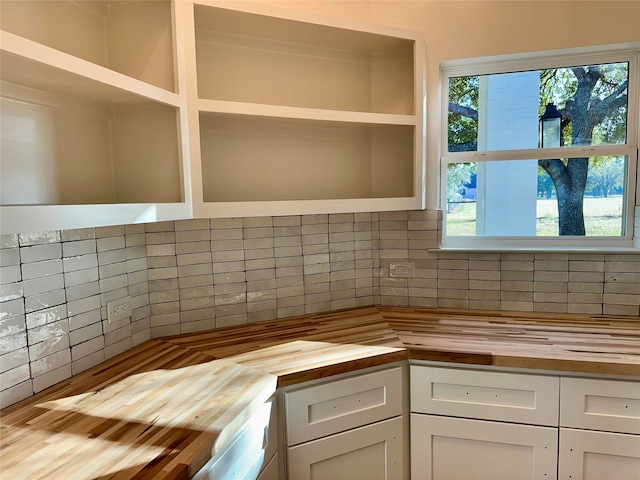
(119, 309)
(401, 270)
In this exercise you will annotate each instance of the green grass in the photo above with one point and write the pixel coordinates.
(603, 217)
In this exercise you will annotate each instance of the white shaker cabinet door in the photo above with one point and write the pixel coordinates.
(373, 452)
(444, 448)
(588, 455)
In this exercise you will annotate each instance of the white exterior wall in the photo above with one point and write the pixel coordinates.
(508, 119)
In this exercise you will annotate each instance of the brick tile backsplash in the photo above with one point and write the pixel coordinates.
(194, 275)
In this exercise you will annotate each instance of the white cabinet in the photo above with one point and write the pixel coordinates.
(482, 425)
(600, 429)
(92, 126)
(479, 424)
(350, 429)
(141, 111)
(297, 113)
(444, 448)
(367, 453)
(251, 453)
(590, 455)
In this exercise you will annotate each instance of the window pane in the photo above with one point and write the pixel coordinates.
(503, 111)
(519, 198)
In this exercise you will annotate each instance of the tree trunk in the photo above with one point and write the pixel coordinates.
(570, 181)
(570, 213)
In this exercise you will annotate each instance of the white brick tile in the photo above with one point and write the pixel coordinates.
(46, 268)
(9, 240)
(51, 377)
(77, 234)
(193, 224)
(39, 238)
(14, 376)
(45, 316)
(113, 270)
(85, 363)
(10, 274)
(11, 291)
(43, 285)
(168, 226)
(140, 337)
(47, 332)
(50, 363)
(84, 334)
(44, 300)
(112, 256)
(194, 258)
(117, 348)
(193, 236)
(83, 305)
(48, 347)
(87, 348)
(137, 265)
(74, 249)
(222, 245)
(9, 257)
(13, 341)
(14, 359)
(84, 319)
(81, 262)
(14, 394)
(195, 281)
(162, 273)
(40, 253)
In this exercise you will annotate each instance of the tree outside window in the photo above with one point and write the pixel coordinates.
(500, 112)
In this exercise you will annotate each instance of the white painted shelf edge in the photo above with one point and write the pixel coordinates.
(301, 113)
(48, 56)
(31, 218)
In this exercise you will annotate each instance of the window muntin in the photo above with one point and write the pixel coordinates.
(500, 140)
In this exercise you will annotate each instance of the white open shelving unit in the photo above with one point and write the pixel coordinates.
(92, 126)
(302, 114)
(128, 112)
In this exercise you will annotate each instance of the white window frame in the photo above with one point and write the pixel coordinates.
(537, 61)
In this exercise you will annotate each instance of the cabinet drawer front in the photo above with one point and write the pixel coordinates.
(373, 452)
(591, 455)
(322, 410)
(595, 404)
(242, 457)
(445, 448)
(485, 395)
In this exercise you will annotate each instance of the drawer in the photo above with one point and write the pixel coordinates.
(518, 398)
(320, 410)
(271, 437)
(242, 457)
(595, 404)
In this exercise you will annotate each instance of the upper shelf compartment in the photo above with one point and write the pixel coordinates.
(260, 59)
(131, 38)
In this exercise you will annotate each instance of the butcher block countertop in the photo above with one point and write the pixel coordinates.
(163, 408)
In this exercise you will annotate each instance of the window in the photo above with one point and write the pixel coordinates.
(540, 151)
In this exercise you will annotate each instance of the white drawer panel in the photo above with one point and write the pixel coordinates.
(242, 457)
(520, 398)
(271, 437)
(332, 407)
(594, 404)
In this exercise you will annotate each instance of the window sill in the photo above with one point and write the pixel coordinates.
(545, 249)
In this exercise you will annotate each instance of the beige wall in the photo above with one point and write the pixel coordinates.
(465, 29)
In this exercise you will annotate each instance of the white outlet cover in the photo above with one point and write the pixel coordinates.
(118, 309)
